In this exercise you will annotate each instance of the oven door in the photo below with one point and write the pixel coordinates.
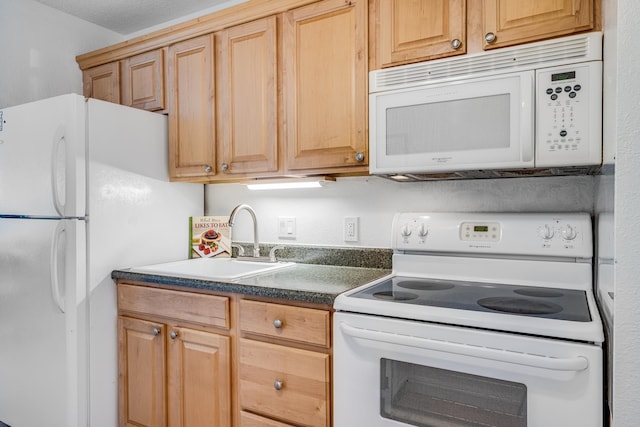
(484, 123)
(392, 372)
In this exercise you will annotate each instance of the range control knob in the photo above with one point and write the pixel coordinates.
(405, 231)
(545, 232)
(568, 232)
(423, 231)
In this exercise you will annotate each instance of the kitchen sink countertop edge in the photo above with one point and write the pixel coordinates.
(311, 283)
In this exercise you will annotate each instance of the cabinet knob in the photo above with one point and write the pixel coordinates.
(359, 157)
(173, 335)
(277, 323)
(156, 331)
(225, 166)
(277, 384)
(208, 168)
(490, 37)
(456, 44)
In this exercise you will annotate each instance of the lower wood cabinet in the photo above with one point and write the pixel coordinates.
(171, 373)
(190, 359)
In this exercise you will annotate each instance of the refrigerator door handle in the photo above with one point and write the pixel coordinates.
(53, 264)
(58, 173)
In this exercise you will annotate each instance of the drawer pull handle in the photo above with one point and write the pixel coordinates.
(277, 324)
(173, 335)
(155, 331)
(278, 385)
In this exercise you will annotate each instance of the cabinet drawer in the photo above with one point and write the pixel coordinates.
(302, 395)
(248, 419)
(190, 307)
(305, 325)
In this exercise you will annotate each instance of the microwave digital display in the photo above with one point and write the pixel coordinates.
(563, 76)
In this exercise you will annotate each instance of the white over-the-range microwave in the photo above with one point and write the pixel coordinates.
(534, 109)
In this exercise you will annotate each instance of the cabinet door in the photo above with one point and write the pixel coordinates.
(325, 87)
(143, 80)
(191, 119)
(415, 30)
(247, 97)
(199, 375)
(141, 368)
(102, 82)
(515, 21)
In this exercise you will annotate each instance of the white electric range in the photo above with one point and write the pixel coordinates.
(488, 319)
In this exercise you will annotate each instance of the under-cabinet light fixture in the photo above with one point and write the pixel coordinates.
(291, 183)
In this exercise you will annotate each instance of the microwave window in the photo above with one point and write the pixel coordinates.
(425, 396)
(461, 124)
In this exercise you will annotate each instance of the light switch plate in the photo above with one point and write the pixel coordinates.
(286, 227)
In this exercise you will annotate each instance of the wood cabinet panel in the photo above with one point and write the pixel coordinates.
(102, 82)
(299, 324)
(142, 363)
(301, 398)
(248, 419)
(199, 376)
(191, 109)
(210, 310)
(416, 30)
(247, 97)
(325, 86)
(514, 21)
(143, 80)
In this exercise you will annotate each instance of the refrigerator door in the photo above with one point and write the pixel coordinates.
(136, 217)
(42, 163)
(43, 362)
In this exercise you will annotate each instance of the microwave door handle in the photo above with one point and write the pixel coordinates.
(573, 364)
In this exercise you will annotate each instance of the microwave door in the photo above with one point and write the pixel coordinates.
(468, 125)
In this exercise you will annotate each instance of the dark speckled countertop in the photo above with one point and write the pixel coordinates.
(308, 282)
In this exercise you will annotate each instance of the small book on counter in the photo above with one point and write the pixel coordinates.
(209, 237)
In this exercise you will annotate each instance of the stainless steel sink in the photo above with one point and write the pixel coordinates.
(213, 268)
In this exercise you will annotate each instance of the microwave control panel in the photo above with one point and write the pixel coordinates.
(569, 115)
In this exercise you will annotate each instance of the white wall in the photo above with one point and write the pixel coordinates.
(319, 212)
(39, 46)
(626, 388)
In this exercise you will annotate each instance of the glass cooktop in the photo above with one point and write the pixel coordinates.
(552, 303)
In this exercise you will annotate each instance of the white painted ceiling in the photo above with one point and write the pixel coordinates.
(129, 16)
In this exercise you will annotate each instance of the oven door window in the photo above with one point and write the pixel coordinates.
(428, 397)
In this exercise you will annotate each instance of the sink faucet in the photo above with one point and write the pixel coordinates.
(232, 217)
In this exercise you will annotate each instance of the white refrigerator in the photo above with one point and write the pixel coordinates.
(84, 189)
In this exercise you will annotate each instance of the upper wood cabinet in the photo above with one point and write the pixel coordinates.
(410, 30)
(325, 87)
(192, 152)
(509, 22)
(102, 82)
(247, 99)
(405, 31)
(143, 80)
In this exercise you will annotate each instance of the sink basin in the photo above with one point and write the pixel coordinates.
(213, 268)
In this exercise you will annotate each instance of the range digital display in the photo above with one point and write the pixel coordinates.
(563, 76)
(480, 228)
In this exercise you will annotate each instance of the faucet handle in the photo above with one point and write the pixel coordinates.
(240, 249)
(272, 252)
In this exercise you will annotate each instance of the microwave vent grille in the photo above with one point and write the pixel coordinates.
(488, 174)
(581, 48)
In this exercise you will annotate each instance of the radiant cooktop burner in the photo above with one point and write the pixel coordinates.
(563, 304)
(519, 305)
(395, 295)
(422, 285)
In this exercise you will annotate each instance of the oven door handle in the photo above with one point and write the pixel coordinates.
(578, 363)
